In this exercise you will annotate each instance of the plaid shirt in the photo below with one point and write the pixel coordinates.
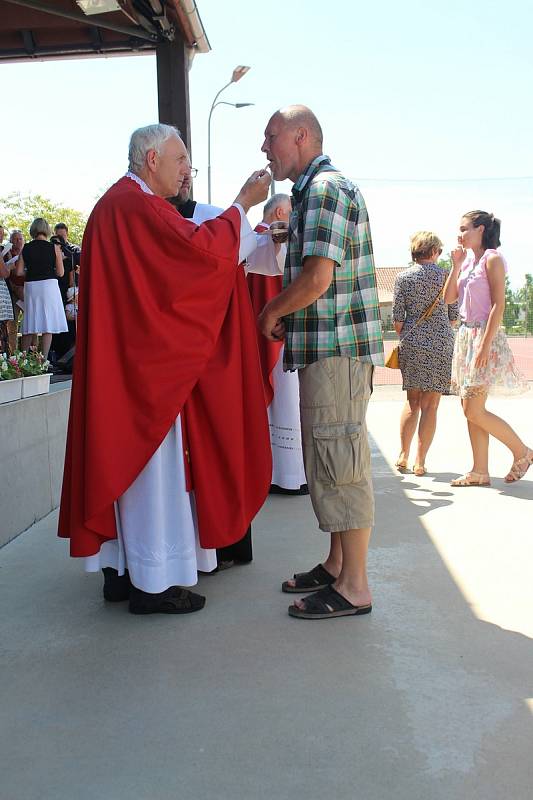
(329, 219)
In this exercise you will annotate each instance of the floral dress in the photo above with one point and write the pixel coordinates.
(500, 375)
(426, 349)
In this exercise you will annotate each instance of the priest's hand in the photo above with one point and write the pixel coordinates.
(271, 325)
(255, 190)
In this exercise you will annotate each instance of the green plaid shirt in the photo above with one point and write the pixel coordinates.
(329, 219)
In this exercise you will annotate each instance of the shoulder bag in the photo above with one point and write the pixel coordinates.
(393, 361)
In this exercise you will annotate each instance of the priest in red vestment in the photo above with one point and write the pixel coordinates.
(157, 468)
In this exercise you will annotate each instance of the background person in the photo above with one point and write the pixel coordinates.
(482, 359)
(281, 388)
(16, 287)
(41, 264)
(71, 255)
(262, 263)
(6, 306)
(426, 347)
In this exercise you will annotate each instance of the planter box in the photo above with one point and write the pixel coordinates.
(10, 390)
(35, 384)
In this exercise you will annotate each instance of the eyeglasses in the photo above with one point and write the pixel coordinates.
(194, 172)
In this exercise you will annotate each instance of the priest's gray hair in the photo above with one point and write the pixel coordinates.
(275, 201)
(152, 137)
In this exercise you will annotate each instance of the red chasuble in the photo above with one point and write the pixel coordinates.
(264, 288)
(162, 325)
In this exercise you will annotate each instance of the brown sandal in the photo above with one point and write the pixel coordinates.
(312, 581)
(520, 467)
(472, 479)
(419, 470)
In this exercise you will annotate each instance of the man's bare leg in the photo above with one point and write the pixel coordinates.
(333, 563)
(352, 582)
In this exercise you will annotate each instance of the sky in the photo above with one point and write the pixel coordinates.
(427, 106)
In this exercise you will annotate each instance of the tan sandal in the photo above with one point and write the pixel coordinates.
(419, 470)
(401, 466)
(520, 467)
(472, 479)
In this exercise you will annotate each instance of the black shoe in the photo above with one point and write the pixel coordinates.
(275, 489)
(173, 600)
(116, 587)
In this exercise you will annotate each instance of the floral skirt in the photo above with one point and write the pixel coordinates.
(500, 376)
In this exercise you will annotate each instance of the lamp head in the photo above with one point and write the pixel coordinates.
(238, 73)
(243, 105)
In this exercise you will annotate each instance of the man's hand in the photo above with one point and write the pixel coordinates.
(283, 235)
(254, 191)
(271, 325)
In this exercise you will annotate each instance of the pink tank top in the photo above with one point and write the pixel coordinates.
(473, 287)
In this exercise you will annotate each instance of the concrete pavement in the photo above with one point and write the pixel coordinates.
(428, 698)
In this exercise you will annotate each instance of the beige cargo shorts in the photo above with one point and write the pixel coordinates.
(334, 395)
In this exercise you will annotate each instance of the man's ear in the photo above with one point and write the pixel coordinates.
(151, 160)
(301, 135)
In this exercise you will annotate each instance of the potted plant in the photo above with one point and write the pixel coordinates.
(10, 379)
(34, 368)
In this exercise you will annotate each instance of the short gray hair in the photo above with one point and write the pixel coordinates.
(40, 226)
(275, 201)
(152, 137)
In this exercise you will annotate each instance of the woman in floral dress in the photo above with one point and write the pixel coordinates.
(482, 359)
(426, 346)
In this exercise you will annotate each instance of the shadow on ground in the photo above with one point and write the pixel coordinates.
(420, 700)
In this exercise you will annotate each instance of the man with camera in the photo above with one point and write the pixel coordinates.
(71, 253)
(71, 258)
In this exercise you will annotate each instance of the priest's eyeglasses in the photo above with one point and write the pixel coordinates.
(194, 172)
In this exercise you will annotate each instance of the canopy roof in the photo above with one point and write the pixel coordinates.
(50, 29)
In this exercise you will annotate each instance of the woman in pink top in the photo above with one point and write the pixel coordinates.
(482, 359)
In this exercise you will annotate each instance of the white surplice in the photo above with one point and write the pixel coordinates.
(157, 535)
(285, 432)
(284, 416)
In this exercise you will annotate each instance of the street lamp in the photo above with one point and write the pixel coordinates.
(236, 75)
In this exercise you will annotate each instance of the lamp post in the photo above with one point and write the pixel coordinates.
(237, 74)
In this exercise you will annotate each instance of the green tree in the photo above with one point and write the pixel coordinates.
(19, 211)
(525, 297)
(512, 307)
(445, 263)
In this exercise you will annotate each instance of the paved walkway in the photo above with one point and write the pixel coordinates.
(428, 698)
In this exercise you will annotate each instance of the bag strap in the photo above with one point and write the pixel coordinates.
(425, 314)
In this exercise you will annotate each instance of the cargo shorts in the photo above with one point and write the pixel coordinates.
(334, 395)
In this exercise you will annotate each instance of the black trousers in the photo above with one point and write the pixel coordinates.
(240, 551)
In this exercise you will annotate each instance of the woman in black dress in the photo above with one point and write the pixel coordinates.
(426, 348)
(42, 264)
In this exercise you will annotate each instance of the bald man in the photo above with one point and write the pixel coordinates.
(328, 315)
